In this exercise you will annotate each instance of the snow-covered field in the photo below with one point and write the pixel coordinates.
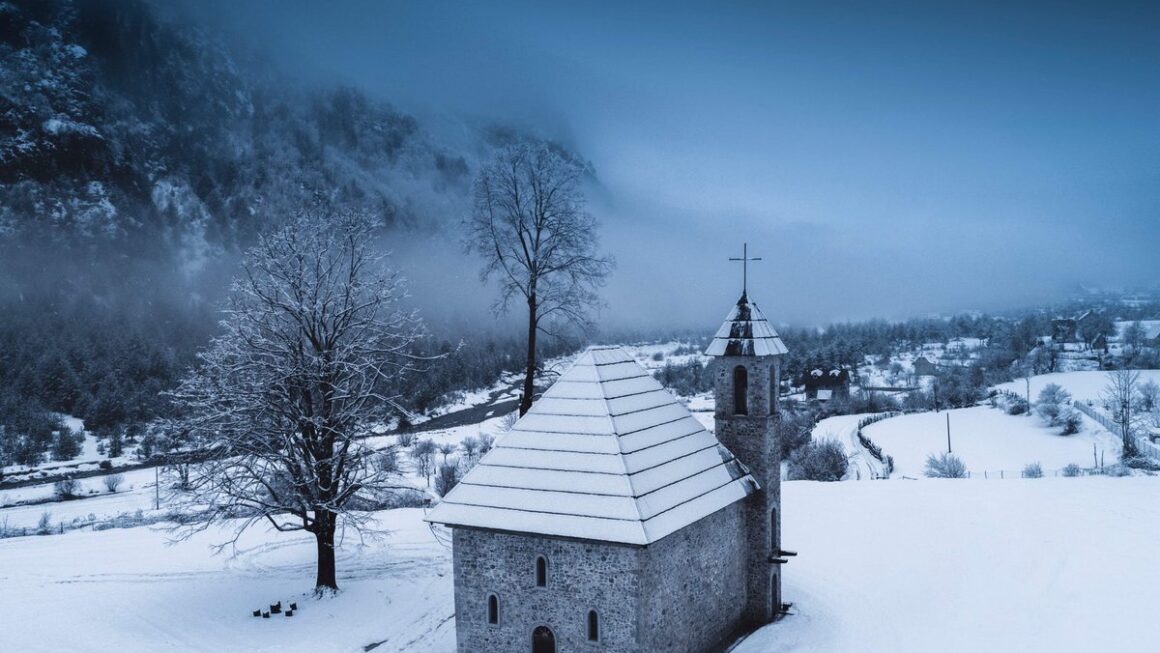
(1057, 565)
(1083, 386)
(988, 440)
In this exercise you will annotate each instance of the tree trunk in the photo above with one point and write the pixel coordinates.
(324, 536)
(530, 370)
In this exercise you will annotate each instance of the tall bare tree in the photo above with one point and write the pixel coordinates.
(531, 226)
(313, 350)
(1120, 399)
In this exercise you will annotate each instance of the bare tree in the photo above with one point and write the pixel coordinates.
(1120, 398)
(310, 361)
(537, 239)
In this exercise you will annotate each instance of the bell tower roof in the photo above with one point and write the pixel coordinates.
(746, 332)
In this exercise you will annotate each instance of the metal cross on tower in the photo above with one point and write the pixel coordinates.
(745, 259)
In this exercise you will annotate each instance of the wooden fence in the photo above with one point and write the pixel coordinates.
(1146, 446)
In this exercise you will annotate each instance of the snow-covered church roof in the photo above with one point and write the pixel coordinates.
(606, 454)
(746, 332)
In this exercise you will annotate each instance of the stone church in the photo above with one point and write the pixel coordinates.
(610, 519)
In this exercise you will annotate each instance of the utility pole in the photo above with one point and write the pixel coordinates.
(949, 450)
(156, 488)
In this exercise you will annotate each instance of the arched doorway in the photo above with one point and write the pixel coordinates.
(543, 641)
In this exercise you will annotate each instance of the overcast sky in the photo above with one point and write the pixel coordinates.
(885, 159)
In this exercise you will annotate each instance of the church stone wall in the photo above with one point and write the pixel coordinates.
(686, 591)
(694, 594)
(582, 576)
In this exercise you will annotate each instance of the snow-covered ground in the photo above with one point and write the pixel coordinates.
(1083, 386)
(1061, 565)
(988, 440)
(1058, 565)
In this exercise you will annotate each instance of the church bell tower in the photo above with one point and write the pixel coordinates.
(746, 369)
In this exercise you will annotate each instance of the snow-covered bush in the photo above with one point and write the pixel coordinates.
(1051, 403)
(407, 440)
(66, 488)
(945, 465)
(44, 526)
(470, 446)
(387, 461)
(1033, 471)
(423, 453)
(113, 481)
(818, 461)
(1072, 470)
(447, 478)
(485, 443)
(1069, 422)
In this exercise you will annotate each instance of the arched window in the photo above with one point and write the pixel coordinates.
(593, 626)
(774, 390)
(740, 390)
(541, 571)
(773, 532)
(493, 609)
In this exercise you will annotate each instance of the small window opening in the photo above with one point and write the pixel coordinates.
(541, 572)
(740, 390)
(593, 626)
(493, 609)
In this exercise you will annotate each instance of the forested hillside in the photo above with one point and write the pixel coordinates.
(137, 157)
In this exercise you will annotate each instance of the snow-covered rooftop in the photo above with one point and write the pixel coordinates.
(606, 454)
(746, 332)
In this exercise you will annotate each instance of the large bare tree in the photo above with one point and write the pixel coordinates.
(539, 242)
(314, 346)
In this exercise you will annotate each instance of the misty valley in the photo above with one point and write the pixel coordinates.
(510, 327)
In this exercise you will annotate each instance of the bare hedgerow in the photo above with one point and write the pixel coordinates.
(1072, 470)
(945, 465)
(1033, 470)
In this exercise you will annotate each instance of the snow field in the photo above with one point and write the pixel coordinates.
(987, 440)
(1054, 564)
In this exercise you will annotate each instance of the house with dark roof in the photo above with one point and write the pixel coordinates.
(825, 383)
(610, 519)
(924, 367)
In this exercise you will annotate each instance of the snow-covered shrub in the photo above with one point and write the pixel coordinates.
(818, 461)
(66, 488)
(470, 446)
(485, 443)
(407, 440)
(509, 421)
(793, 431)
(387, 462)
(945, 465)
(446, 449)
(1033, 471)
(447, 478)
(113, 481)
(888, 466)
(423, 453)
(44, 526)
(1050, 405)
(1069, 422)
(1072, 470)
